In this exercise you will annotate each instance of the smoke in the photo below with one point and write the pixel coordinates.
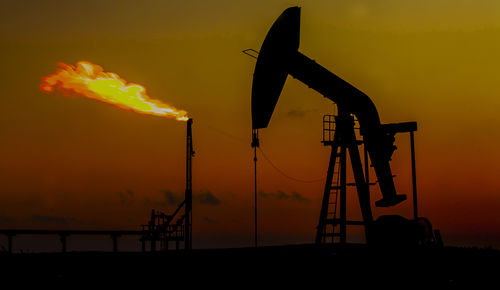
(206, 197)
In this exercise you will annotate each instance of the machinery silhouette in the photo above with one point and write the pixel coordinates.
(278, 58)
(161, 228)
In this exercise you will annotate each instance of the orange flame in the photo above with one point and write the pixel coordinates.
(91, 81)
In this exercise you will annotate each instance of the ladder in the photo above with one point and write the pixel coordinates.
(339, 134)
(333, 199)
(329, 230)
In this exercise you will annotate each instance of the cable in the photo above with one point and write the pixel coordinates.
(263, 154)
(225, 134)
(286, 175)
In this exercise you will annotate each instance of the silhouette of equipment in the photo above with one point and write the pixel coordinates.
(278, 58)
(160, 229)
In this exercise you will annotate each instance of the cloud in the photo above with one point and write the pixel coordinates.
(280, 195)
(298, 197)
(276, 195)
(170, 198)
(206, 197)
(53, 219)
(299, 113)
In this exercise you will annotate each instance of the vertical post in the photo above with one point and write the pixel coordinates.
(367, 178)
(255, 193)
(255, 144)
(343, 190)
(367, 166)
(414, 175)
(344, 124)
(189, 193)
(152, 230)
(362, 186)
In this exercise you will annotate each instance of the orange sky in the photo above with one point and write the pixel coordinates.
(78, 163)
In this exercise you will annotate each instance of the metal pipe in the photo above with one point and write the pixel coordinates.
(189, 193)
(343, 193)
(255, 194)
(255, 144)
(414, 176)
(367, 166)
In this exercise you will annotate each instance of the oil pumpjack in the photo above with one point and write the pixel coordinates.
(278, 58)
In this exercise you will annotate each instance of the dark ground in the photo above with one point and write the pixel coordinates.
(283, 266)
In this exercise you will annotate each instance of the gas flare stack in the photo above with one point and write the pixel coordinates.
(161, 227)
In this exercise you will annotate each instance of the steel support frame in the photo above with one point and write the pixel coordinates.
(345, 140)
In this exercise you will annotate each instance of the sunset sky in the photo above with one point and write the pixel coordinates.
(76, 163)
